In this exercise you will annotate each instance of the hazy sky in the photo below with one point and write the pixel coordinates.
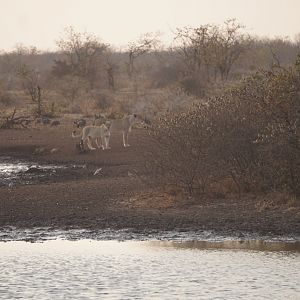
(40, 22)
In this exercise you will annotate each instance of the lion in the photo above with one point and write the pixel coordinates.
(99, 119)
(96, 133)
(80, 123)
(124, 125)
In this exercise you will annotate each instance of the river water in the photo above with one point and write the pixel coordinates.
(102, 269)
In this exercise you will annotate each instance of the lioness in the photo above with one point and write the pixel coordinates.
(80, 123)
(123, 125)
(95, 133)
(99, 119)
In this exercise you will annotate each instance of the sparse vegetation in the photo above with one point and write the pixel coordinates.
(218, 115)
(249, 134)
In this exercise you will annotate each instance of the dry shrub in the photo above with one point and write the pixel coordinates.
(277, 201)
(161, 198)
(249, 134)
(103, 100)
(223, 187)
(71, 88)
(150, 103)
(181, 150)
(157, 102)
(153, 199)
(6, 98)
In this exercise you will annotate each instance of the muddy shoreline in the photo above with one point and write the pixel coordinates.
(115, 198)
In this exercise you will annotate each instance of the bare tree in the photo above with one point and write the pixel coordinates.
(195, 45)
(144, 44)
(31, 84)
(230, 43)
(110, 70)
(209, 49)
(83, 54)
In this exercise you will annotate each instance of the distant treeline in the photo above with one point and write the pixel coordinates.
(200, 63)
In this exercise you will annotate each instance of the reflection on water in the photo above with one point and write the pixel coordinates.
(257, 245)
(88, 269)
(23, 172)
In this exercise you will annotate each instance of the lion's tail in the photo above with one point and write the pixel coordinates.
(74, 135)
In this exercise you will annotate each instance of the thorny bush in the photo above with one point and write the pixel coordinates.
(249, 134)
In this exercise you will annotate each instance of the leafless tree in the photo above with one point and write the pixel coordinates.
(145, 44)
(110, 70)
(230, 43)
(83, 54)
(209, 49)
(195, 48)
(31, 84)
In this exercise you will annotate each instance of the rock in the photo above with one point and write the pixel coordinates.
(97, 171)
(130, 174)
(34, 170)
(53, 150)
(40, 150)
(55, 123)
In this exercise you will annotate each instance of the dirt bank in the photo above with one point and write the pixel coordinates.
(116, 198)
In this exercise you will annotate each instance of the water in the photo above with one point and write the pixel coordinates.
(90, 269)
(94, 265)
(40, 234)
(14, 172)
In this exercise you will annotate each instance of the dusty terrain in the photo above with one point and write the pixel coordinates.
(116, 198)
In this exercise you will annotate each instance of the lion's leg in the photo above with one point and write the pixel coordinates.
(81, 145)
(125, 139)
(99, 145)
(83, 139)
(106, 142)
(103, 142)
(89, 143)
(107, 138)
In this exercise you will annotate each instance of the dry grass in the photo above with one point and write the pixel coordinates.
(277, 201)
